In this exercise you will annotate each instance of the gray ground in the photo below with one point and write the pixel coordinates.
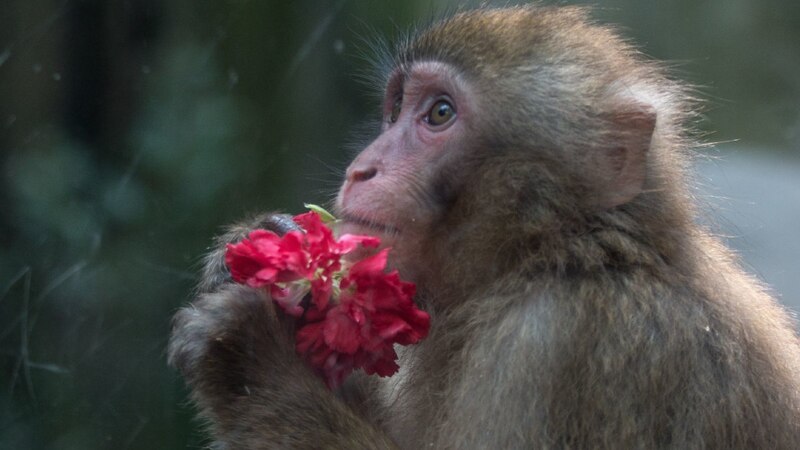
(755, 201)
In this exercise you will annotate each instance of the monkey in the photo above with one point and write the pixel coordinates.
(532, 176)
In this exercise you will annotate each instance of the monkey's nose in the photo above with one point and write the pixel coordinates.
(361, 173)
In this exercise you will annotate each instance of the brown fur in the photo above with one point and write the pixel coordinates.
(555, 323)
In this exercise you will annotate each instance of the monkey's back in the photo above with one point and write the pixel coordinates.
(635, 357)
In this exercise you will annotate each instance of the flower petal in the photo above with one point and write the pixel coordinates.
(348, 242)
(370, 264)
(321, 289)
(342, 332)
(290, 297)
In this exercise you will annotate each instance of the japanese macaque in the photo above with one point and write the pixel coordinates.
(531, 178)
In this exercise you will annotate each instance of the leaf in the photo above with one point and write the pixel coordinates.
(323, 213)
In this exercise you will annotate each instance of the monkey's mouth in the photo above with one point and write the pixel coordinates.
(360, 222)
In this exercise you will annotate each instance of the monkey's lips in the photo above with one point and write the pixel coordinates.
(352, 223)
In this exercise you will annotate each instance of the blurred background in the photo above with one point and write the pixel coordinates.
(132, 130)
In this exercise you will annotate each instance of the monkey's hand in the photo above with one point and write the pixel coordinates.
(235, 349)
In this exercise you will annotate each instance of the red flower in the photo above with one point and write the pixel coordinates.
(264, 258)
(357, 329)
(374, 311)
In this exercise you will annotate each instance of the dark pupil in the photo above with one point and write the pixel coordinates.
(444, 109)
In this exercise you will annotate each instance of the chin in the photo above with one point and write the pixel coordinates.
(389, 237)
(356, 224)
(348, 227)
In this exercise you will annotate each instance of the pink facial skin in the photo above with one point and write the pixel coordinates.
(387, 188)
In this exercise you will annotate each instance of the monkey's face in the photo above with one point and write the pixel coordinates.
(393, 188)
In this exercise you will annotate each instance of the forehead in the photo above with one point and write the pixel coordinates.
(477, 39)
(514, 47)
(497, 40)
(419, 77)
(423, 71)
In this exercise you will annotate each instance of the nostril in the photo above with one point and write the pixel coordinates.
(362, 174)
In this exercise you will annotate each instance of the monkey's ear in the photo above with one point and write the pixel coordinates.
(622, 159)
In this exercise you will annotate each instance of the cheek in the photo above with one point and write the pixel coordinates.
(403, 192)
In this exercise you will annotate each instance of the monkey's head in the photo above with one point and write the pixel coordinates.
(516, 129)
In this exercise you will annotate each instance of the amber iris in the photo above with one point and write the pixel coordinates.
(441, 113)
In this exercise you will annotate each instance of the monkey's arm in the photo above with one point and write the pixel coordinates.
(237, 356)
(239, 361)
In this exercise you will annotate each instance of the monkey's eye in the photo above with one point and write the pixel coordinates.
(441, 113)
(398, 104)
